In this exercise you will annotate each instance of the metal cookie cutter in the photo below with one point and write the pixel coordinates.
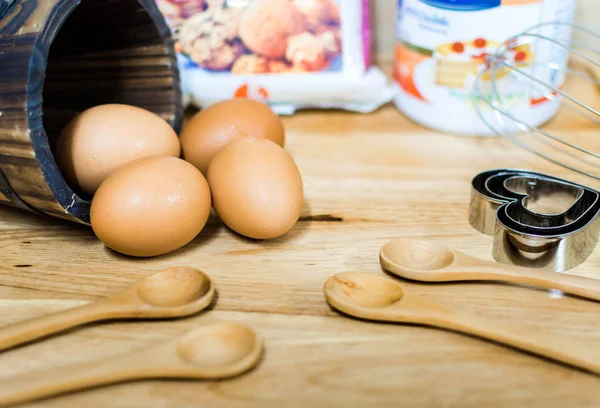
(536, 220)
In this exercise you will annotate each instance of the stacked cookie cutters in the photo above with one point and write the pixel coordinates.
(536, 220)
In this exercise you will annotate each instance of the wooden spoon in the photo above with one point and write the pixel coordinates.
(174, 292)
(431, 262)
(373, 297)
(211, 352)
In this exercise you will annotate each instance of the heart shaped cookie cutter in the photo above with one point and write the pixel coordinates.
(536, 220)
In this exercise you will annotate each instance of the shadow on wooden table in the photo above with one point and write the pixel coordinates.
(207, 235)
(25, 219)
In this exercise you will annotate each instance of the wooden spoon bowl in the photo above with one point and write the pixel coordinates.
(417, 255)
(363, 291)
(173, 292)
(217, 351)
(218, 348)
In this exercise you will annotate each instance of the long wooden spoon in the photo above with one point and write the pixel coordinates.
(174, 292)
(217, 351)
(373, 297)
(431, 262)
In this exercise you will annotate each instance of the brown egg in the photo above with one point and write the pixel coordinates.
(103, 138)
(151, 206)
(256, 188)
(212, 128)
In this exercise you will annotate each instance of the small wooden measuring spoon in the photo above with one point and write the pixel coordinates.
(174, 292)
(211, 352)
(431, 262)
(373, 297)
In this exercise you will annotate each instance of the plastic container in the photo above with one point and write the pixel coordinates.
(442, 44)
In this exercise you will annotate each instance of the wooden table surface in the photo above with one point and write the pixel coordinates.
(368, 179)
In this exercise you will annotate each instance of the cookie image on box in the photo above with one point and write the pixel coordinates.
(250, 64)
(458, 62)
(331, 39)
(267, 25)
(307, 52)
(178, 10)
(253, 37)
(210, 38)
(319, 12)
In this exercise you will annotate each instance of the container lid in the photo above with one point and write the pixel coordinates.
(463, 5)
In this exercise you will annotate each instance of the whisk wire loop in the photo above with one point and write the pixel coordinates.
(541, 83)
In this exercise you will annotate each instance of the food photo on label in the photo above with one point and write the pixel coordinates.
(444, 49)
(294, 54)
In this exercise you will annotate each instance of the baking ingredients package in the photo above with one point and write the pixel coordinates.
(442, 45)
(291, 54)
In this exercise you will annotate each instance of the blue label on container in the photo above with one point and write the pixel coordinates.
(463, 5)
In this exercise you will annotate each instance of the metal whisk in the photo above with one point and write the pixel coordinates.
(523, 84)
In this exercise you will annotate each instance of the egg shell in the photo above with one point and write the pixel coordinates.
(151, 206)
(101, 139)
(219, 124)
(256, 188)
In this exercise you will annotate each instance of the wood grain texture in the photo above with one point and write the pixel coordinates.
(58, 58)
(368, 179)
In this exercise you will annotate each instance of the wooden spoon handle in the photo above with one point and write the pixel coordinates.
(575, 285)
(485, 270)
(42, 384)
(556, 347)
(33, 329)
